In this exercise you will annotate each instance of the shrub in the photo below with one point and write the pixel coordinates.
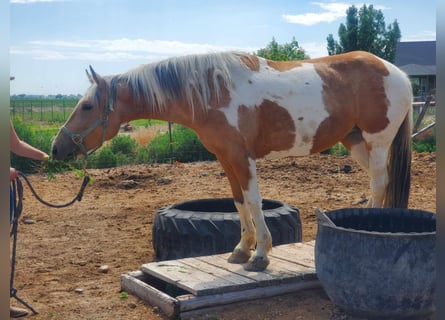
(184, 146)
(123, 144)
(425, 145)
(142, 155)
(103, 158)
(337, 150)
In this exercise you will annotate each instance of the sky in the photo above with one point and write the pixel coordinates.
(52, 42)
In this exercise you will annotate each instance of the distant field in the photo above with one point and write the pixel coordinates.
(49, 114)
(45, 110)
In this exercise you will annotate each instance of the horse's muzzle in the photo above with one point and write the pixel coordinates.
(62, 148)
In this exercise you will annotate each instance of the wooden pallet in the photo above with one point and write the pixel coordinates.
(188, 287)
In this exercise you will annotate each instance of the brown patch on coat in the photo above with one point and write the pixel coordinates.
(284, 65)
(251, 61)
(262, 129)
(231, 153)
(353, 94)
(265, 128)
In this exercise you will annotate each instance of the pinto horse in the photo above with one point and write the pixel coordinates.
(244, 107)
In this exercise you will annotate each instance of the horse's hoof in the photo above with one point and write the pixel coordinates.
(257, 264)
(238, 256)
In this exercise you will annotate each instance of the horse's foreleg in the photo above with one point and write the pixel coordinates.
(242, 251)
(253, 203)
(253, 226)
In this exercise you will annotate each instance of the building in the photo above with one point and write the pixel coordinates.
(418, 60)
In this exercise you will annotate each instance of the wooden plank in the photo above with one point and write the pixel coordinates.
(262, 278)
(298, 253)
(207, 264)
(310, 243)
(195, 277)
(277, 271)
(192, 306)
(133, 284)
(296, 272)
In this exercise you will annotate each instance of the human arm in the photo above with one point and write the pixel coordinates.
(21, 148)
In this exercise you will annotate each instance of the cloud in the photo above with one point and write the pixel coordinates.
(332, 12)
(114, 50)
(315, 49)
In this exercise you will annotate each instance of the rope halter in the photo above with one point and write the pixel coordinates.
(77, 138)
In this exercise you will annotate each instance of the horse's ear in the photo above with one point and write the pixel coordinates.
(89, 76)
(97, 78)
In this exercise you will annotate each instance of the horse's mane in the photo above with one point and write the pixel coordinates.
(179, 78)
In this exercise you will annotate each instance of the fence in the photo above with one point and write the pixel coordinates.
(40, 109)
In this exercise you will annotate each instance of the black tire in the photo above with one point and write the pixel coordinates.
(211, 226)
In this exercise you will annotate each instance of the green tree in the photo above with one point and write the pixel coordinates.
(283, 52)
(365, 29)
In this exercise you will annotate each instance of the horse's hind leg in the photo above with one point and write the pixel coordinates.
(373, 160)
(378, 171)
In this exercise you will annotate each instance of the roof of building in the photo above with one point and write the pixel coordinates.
(416, 58)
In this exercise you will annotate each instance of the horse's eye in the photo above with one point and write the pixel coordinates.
(87, 106)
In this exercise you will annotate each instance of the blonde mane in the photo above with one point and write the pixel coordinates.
(179, 78)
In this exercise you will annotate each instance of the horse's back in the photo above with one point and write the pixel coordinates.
(302, 107)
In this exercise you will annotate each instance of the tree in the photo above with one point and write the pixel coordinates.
(283, 52)
(365, 30)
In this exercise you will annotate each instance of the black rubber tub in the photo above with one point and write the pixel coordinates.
(378, 263)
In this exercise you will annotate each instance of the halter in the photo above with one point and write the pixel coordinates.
(77, 138)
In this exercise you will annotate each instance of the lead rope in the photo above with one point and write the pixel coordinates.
(17, 188)
(78, 197)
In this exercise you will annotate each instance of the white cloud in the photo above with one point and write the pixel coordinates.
(315, 49)
(332, 12)
(114, 50)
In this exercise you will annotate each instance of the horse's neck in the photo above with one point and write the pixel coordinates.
(178, 112)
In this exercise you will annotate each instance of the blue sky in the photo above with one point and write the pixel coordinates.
(52, 42)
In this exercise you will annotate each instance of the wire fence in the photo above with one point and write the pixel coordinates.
(39, 109)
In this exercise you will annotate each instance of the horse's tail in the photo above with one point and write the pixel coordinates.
(399, 166)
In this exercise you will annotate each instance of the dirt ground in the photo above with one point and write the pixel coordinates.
(59, 256)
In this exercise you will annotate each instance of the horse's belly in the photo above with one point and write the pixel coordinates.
(298, 150)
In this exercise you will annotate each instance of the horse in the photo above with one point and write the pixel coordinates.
(244, 107)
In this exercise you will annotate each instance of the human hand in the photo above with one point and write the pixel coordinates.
(13, 174)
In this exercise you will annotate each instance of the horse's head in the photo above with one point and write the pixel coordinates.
(91, 123)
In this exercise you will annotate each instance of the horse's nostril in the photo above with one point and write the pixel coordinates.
(54, 150)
